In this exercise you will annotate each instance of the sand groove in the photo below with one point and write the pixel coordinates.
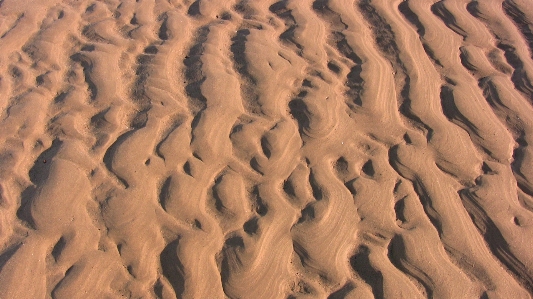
(266, 149)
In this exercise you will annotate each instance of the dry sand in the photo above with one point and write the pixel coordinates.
(263, 149)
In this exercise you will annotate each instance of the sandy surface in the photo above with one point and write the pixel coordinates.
(263, 149)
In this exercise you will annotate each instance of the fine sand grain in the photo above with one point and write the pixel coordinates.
(261, 149)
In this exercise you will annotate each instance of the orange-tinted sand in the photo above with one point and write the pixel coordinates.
(262, 149)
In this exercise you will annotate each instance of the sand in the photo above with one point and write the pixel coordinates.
(263, 149)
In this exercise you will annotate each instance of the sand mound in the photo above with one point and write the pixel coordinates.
(263, 149)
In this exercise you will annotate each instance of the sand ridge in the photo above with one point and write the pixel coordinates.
(266, 149)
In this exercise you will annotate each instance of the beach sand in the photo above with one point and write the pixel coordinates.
(263, 149)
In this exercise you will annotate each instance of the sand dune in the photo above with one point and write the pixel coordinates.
(263, 149)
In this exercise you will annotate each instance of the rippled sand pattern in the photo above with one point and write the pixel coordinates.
(263, 149)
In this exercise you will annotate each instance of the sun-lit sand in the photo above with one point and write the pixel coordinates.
(261, 149)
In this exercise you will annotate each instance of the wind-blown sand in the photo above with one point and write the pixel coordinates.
(263, 149)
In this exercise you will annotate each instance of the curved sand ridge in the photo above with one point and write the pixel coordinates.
(263, 149)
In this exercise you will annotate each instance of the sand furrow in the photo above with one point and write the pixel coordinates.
(508, 105)
(456, 97)
(33, 87)
(444, 61)
(522, 18)
(510, 41)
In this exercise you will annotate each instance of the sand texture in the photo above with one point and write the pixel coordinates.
(261, 149)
